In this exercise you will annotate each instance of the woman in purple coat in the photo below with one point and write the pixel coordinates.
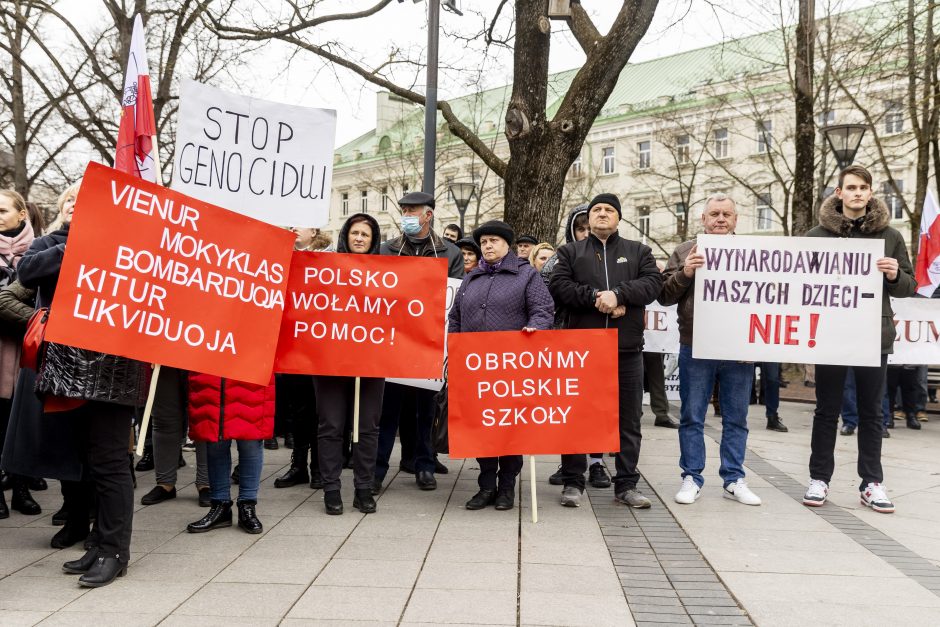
(503, 293)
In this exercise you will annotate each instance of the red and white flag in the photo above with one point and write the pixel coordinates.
(136, 152)
(927, 272)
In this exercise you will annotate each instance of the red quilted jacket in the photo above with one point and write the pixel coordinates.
(225, 409)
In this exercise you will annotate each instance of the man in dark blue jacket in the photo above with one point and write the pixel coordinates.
(606, 281)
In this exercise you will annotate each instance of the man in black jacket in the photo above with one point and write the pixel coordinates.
(605, 281)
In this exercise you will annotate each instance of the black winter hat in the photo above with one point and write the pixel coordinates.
(466, 242)
(607, 199)
(494, 227)
(527, 239)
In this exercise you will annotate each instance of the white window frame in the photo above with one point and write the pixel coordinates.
(344, 203)
(894, 117)
(644, 156)
(364, 201)
(721, 142)
(683, 149)
(643, 222)
(765, 136)
(893, 201)
(608, 160)
(764, 212)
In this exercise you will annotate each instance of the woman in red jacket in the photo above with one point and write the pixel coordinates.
(222, 410)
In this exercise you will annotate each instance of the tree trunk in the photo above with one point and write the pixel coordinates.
(535, 181)
(805, 139)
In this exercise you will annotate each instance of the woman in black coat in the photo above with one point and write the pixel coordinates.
(101, 427)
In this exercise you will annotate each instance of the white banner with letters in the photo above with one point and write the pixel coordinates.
(917, 327)
(808, 300)
(436, 384)
(266, 160)
(661, 333)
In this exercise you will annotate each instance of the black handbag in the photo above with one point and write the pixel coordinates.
(439, 427)
(77, 373)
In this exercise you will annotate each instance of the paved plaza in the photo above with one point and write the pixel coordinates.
(424, 559)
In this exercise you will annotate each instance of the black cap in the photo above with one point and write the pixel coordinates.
(494, 227)
(607, 199)
(466, 242)
(417, 198)
(526, 239)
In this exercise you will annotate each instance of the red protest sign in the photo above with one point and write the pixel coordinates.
(363, 316)
(548, 392)
(155, 275)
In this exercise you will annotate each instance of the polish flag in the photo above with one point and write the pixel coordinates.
(136, 152)
(927, 272)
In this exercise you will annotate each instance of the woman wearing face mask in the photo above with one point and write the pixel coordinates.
(335, 397)
(16, 234)
(503, 293)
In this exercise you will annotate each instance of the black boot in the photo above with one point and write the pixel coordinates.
(102, 572)
(146, 461)
(60, 517)
(37, 484)
(481, 499)
(247, 518)
(81, 565)
(505, 498)
(774, 424)
(333, 502)
(220, 515)
(296, 474)
(68, 535)
(364, 501)
(22, 501)
(4, 510)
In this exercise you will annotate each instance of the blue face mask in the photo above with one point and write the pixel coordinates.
(410, 225)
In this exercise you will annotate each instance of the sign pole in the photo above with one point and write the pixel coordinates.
(535, 503)
(355, 433)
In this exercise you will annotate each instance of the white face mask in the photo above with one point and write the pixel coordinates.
(410, 225)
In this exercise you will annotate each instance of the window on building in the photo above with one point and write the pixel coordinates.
(609, 163)
(385, 199)
(765, 212)
(643, 222)
(765, 136)
(893, 199)
(575, 171)
(682, 218)
(345, 198)
(364, 201)
(721, 143)
(824, 118)
(894, 116)
(683, 149)
(644, 154)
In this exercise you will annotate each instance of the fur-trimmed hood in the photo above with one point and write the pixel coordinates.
(875, 220)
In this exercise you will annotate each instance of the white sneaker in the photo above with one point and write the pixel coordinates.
(816, 493)
(741, 493)
(875, 497)
(689, 491)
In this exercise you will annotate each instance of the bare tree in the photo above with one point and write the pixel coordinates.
(541, 148)
(804, 140)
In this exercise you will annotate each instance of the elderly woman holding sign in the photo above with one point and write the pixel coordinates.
(504, 293)
(337, 397)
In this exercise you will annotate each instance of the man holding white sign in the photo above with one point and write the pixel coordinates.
(852, 212)
(697, 376)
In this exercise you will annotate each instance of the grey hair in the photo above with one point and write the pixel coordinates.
(720, 197)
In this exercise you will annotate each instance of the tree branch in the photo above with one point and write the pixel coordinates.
(583, 28)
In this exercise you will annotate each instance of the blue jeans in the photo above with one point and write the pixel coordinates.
(770, 379)
(250, 460)
(849, 400)
(696, 380)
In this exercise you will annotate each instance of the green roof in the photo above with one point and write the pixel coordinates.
(673, 80)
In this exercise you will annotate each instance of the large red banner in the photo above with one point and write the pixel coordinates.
(155, 275)
(542, 393)
(363, 316)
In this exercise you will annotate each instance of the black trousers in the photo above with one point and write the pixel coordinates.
(870, 389)
(906, 379)
(654, 382)
(630, 382)
(504, 468)
(296, 403)
(335, 397)
(105, 428)
(409, 411)
(168, 420)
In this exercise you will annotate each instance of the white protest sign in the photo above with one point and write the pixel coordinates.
(661, 333)
(266, 160)
(917, 322)
(808, 300)
(436, 384)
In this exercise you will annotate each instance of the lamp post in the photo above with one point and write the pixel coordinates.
(844, 140)
(462, 193)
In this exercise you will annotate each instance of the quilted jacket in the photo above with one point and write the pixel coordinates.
(225, 409)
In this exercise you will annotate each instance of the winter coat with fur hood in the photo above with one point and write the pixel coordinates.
(873, 225)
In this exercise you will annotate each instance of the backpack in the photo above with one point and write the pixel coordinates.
(7, 272)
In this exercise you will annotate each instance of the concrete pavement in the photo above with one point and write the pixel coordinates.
(424, 559)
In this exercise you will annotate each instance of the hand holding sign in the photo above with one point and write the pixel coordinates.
(888, 265)
(693, 262)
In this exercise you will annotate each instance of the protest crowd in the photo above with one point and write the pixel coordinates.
(73, 416)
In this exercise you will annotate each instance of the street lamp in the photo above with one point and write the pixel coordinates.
(844, 140)
(462, 193)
